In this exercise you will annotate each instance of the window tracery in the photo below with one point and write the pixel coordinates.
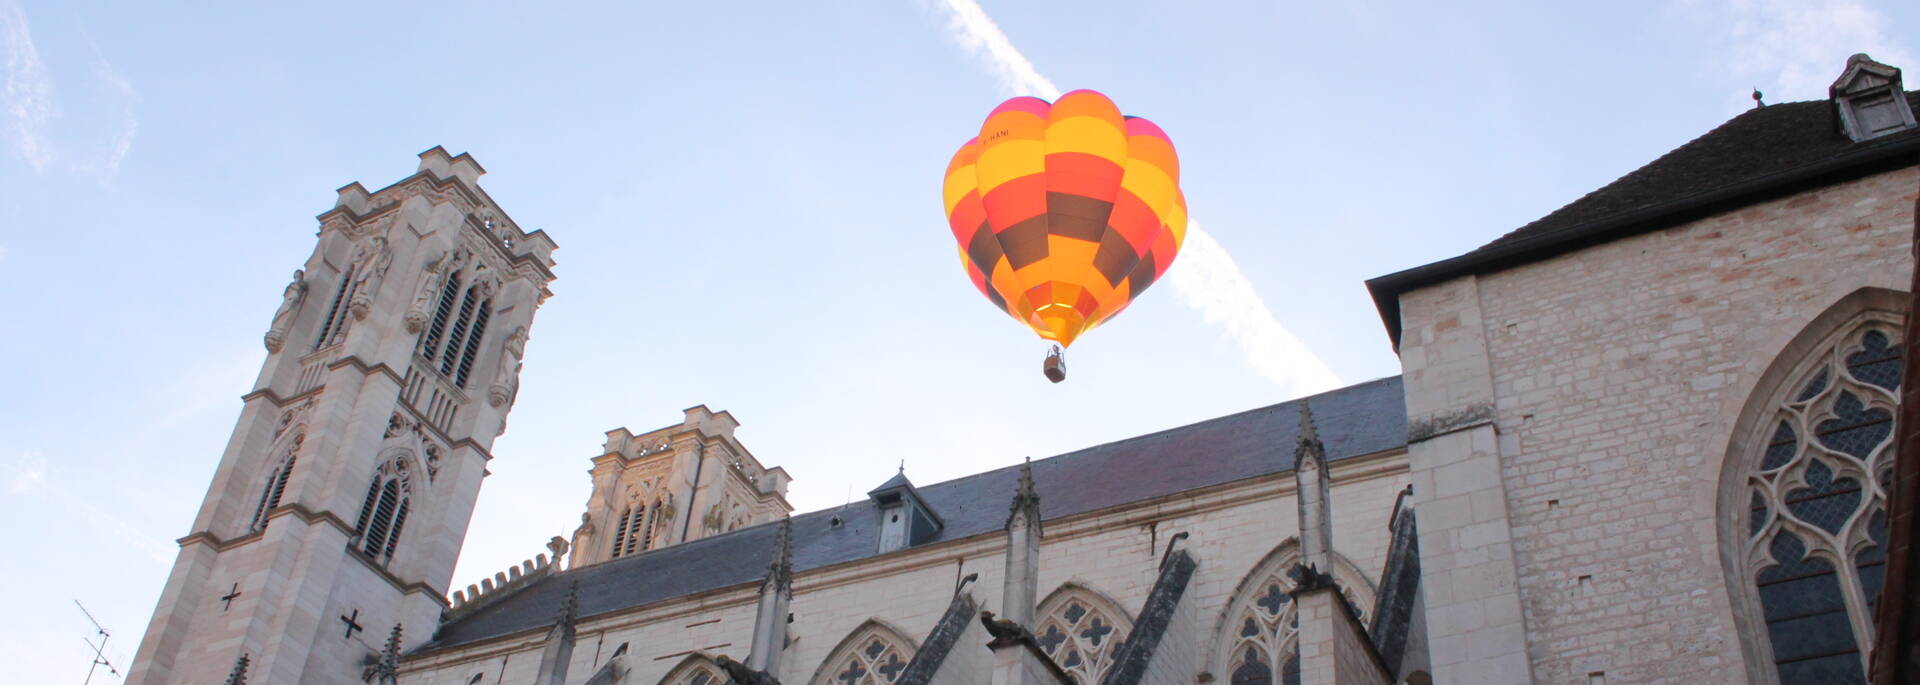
(1265, 635)
(1081, 631)
(696, 669)
(1258, 638)
(872, 655)
(1816, 515)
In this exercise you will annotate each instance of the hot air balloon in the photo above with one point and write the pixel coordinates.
(1065, 212)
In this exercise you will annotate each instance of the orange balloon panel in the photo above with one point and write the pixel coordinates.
(1065, 211)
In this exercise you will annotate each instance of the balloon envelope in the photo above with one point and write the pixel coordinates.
(1065, 211)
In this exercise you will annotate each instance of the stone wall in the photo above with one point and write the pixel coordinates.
(1617, 375)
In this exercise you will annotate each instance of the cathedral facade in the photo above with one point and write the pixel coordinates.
(1645, 438)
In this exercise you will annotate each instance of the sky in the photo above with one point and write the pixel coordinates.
(747, 202)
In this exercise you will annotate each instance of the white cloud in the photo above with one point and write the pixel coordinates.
(1206, 279)
(27, 91)
(128, 124)
(1794, 49)
(1205, 276)
(970, 26)
(29, 476)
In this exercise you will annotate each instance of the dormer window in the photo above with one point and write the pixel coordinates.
(905, 519)
(1870, 99)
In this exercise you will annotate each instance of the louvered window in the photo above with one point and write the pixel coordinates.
(628, 533)
(473, 343)
(336, 321)
(441, 314)
(646, 534)
(620, 533)
(457, 334)
(276, 485)
(381, 518)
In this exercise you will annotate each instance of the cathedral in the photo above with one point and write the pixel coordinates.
(1645, 438)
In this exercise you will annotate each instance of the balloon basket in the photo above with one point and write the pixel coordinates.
(1056, 365)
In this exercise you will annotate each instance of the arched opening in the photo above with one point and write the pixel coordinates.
(1803, 494)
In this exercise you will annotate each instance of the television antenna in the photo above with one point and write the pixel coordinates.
(99, 650)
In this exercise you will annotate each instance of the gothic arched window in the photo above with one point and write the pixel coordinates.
(276, 483)
(696, 669)
(459, 324)
(1815, 520)
(872, 654)
(1258, 642)
(1082, 631)
(1266, 636)
(384, 513)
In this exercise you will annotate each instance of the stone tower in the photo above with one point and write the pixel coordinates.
(340, 504)
(683, 482)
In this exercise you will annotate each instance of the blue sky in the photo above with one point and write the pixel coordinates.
(746, 196)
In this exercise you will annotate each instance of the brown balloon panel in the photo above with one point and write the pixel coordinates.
(1064, 212)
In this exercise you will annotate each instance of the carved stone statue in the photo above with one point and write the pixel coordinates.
(506, 381)
(295, 293)
(431, 281)
(740, 673)
(370, 262)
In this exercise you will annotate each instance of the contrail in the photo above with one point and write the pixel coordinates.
(1205, 277)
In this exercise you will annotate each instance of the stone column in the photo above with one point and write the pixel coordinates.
(770, 617)
(1020, 591)
(1477, 633)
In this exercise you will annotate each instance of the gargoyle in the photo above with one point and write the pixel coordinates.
(1004, 630)
(743, 675)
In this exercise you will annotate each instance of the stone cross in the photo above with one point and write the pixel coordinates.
(226, 601)
(352, 625)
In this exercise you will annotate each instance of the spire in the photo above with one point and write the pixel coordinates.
(770, 614)
(1026, 500)
(388, 670)
(1309, 445)
(1313, 491)
(555, 657)
(569, 607)
(1020, 584)
(239, 674)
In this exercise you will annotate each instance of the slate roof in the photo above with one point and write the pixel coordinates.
(1356, 420)
(1763, 153)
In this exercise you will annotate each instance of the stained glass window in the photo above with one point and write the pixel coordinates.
(872, 655)
(696, 670)
(1081, 631)
(1817, 506)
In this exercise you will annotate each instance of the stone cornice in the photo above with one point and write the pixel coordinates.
(472, 195)
(380, 368)
(279, 401)
(311, 517)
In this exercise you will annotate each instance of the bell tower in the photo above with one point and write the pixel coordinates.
(338, 508)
